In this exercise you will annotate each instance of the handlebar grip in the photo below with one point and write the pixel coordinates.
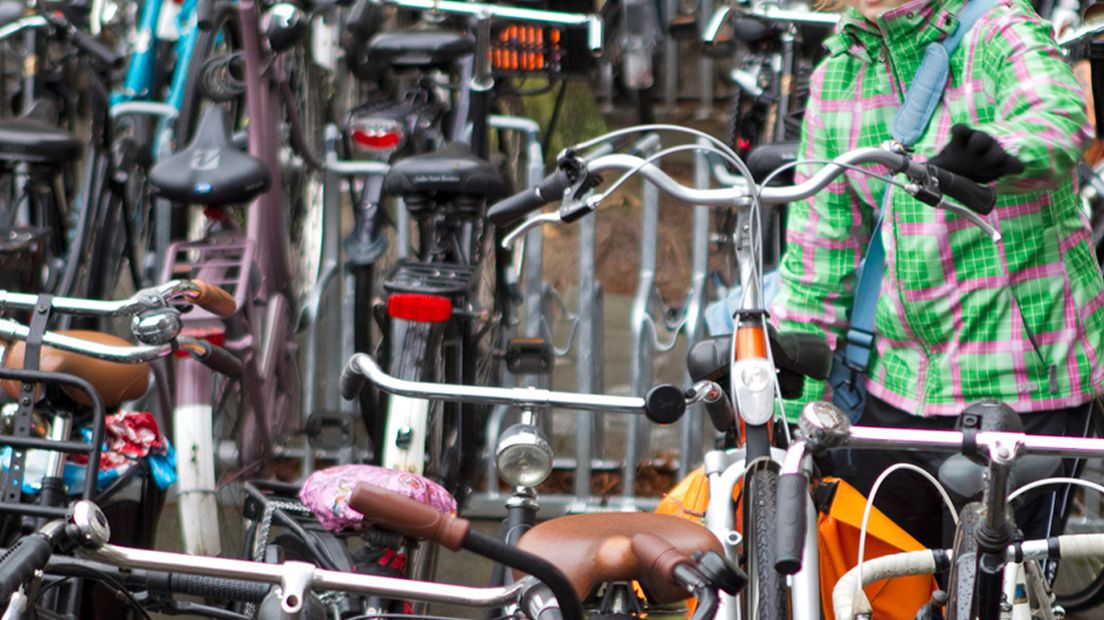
(976, 197)
(664, 404)
(550, 189)
(352, 382)
(408, 517)
(205, 14)
(88, 44)
(221, 361)
(792, 494)
(721, 413)
(213, 299)
(21, 560)
(217, 588)
(656, 559)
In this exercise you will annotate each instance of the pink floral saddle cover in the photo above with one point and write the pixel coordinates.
(327, 492)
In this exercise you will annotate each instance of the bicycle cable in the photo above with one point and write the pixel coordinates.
(874, 490)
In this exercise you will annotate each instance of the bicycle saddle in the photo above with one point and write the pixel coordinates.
(210, 171)
(767, 158)
(327, 492)
(116, 383)
(32, 138)
(450, 170)
(592, 549)
(796, 355)
(419, 48)
(964, 474)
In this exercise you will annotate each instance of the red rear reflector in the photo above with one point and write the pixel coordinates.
(419, 307)
(379, 140)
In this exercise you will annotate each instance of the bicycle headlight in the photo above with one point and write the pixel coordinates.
(753, 386)
(523, 456)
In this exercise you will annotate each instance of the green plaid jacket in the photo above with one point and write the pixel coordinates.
(959, 318)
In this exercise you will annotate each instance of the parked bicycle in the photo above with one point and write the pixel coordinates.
(991, 572)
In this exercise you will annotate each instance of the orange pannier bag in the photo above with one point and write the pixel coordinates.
(839, 521)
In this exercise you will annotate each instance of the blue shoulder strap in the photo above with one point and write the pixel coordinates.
(909, 125)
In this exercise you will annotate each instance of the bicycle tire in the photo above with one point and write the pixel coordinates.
(224, 32)
(766, 597)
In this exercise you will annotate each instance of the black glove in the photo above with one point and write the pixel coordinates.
(976, 155)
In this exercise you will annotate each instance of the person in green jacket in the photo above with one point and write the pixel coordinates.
(959, 318)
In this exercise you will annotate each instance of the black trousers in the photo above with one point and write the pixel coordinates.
(914, 504)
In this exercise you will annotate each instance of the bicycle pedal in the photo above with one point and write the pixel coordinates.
(529, 356)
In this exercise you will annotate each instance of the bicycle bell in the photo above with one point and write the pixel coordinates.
(824, 424)
(91, 523)
(523, 456)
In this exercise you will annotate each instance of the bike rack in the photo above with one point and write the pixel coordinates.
(331, 282)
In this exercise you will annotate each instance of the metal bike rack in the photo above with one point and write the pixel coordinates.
(331, 282)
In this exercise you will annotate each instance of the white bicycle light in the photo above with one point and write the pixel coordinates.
(753, 386)
(523, 456)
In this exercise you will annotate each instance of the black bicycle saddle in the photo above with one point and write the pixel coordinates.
(796, 355)
(963, 475)
(419, 48)
(34, 139)
(450, 170)
(210, 171)
(767, 158)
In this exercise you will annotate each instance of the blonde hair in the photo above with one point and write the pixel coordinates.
(833, 6)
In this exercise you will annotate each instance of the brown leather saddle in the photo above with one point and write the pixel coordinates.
(592, 549)
(116, 383)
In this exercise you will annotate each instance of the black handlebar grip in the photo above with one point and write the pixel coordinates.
(21, 560)
(664, 404)
(205, 14)
(976, 197)
(222, 361)
(550, 189)
(792, 495)
(721, 413)
(88, 44)
(216, 588)
(352, 382)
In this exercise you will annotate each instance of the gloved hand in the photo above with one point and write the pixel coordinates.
(976, 155)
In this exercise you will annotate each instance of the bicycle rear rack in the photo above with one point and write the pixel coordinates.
(225, 262)
(430, 278)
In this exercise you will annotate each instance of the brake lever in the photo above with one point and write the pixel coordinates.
(925, 188)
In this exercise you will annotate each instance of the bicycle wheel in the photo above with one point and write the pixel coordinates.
(123, 244)
(766, 597)
(1079, 583)
(214, 75)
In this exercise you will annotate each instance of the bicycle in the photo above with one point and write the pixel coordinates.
(84, 378)
(748, 359)
(251, 417)
(668, 565)
(979, 585)
(447, 304)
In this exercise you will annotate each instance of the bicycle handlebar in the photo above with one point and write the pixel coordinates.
(27, 556)
(207, 296)
(83, 41)
(362, 369)
(927, 183)
(827, 428)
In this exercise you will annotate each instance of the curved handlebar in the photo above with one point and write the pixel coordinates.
(928, 183)
(362, 369)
